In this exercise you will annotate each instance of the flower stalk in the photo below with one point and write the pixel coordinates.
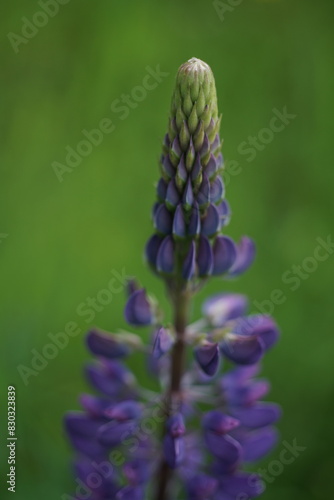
(180, 304)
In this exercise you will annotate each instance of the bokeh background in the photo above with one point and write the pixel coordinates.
(60, 241)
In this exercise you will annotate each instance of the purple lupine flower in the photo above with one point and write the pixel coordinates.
(173, 445)
(106, 345)
(162, 342)
(207, 356)
(244, 339)
(148, 444)
(138, 311)
(240, 393)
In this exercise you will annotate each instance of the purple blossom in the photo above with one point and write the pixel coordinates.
(138, 310)
(207, 356)
(244, 338)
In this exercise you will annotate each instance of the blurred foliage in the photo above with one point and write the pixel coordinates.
(65, 238)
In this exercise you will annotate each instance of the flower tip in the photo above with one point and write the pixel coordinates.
(194, 65)
(193, 75)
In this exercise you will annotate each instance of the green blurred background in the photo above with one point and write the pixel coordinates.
(64, 238)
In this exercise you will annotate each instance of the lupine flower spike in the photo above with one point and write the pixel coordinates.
(162, 445)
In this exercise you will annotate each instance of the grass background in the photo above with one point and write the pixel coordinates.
(64, 239)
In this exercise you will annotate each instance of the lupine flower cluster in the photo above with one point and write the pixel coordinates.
(192, 436)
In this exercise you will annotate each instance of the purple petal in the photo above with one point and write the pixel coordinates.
(243, 350)
(193, 457)
(166, 142)
(221, 469)
(175, 425)
(224, 447)
(188, 196)
(162, 343)
(211, 222)
(174, 451)
(218, 422)
(126, 410)
(224, 212)
(114, 433)
(257, 415)
(82, 432)
(94, 406)
(204, 257)
(179, 223)
(189, 265)
(224, 254)
(84, 470)
(152, 249)
(163, 220)
(161, 190)
(136, 472)
(172, 195)
(194, 226)
(130, 493)
(216, 190)
(205, 148)
(155, 208)
(207, 356)
(104, 345)
(211, 168)
(181, 173)
(165, 258)
(220, 161)
(109, 377)
(260, 325)
(245, 256)
(257, 444)
(167, 168)
(79, 423)
(241, 485)
(268, 332)
(201, 487)
(138, 309)
(240, 375)
(223, 307)
(247, 393)
(203, 196)
(176, 148)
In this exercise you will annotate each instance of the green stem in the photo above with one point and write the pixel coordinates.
(181, 303)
